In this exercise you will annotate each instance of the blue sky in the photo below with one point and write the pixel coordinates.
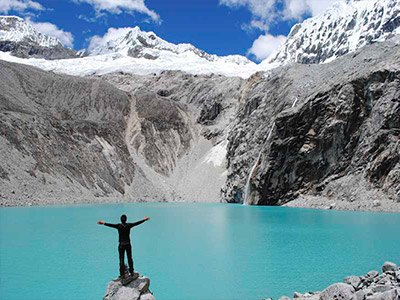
(245, 27)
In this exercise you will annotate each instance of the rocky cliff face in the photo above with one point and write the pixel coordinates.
(181, 137)
(340, 141)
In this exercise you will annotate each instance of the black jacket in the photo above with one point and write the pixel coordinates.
(124, 230)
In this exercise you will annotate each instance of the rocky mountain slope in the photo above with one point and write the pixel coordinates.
(340, 141)
(308, 135)
(181, 137)
(67, 139)
(62, 138)
(347, 26)
(22, 40)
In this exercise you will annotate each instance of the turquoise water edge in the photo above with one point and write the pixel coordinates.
(190, 251)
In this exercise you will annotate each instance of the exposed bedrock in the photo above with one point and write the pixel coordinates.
(29, 50)
(181, 137)
(68, 139)
(178, 130)
(341, 140)
(62, 139)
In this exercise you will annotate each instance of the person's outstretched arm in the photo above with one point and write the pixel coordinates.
(107, 224)
(138, 222)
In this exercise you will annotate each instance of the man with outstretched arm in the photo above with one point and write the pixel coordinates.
(124, 230)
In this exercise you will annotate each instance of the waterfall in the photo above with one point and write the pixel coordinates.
(247, 189)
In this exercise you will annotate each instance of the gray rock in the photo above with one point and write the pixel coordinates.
(361, 295)
(383, 280)
(376, 203)
(372, 274)
(125, 141)
(311, 297)
(354, 281)
(113, 141)
(128, 278)
(147, 296)
(389, 266)
(328, 118)
(388, 295)
(135, 290)
(341, 291)
(398, 276)
(297, 295)
(381, 288)
(29, 50)
(284, 298)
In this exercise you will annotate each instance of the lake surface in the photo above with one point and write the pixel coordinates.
(190, 251)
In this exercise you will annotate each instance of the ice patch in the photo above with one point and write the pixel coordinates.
(216, 155)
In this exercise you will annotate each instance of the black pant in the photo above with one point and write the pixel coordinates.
(121, 250)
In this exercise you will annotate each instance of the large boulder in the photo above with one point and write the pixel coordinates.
(354, 281)
(388, 295)
(389, 266)
(339, 291)
(137, 289)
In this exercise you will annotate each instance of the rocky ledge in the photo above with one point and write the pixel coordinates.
(129, 288)
(372, 286)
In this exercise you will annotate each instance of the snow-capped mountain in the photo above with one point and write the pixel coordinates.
(347, 26)
(23, 40)
(15, 29)
(131, 50)
(136, 43)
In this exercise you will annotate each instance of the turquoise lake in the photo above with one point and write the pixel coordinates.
(190, 251)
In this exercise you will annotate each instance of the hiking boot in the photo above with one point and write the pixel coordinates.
(134, 275)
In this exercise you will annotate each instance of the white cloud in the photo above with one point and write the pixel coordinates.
(111, 34)
(296, 9)
(266, 12)
(120, 6)
(19, 5)
(265, 45)
(50, 29)
(263, 11)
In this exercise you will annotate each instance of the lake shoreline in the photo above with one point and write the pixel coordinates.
(324, 203)
(306, 202)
